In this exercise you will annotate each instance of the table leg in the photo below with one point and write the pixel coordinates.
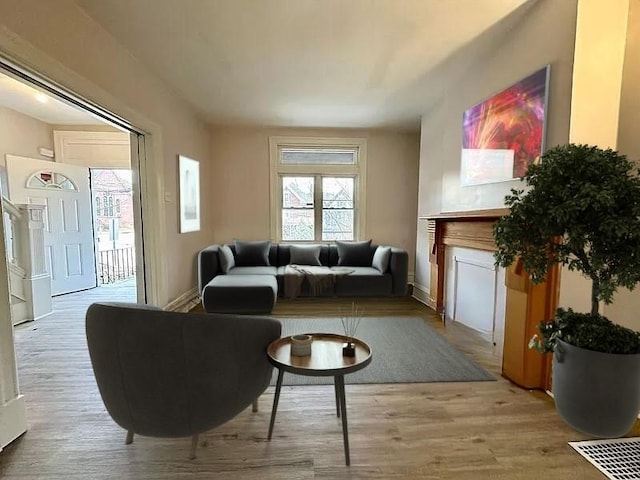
(339, 381)
(335, 387)
(275, 402)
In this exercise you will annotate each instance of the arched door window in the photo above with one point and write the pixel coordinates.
(51, 179)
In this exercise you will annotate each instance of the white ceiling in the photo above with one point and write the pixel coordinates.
(303, 63)
(23, 98)
(315, 63)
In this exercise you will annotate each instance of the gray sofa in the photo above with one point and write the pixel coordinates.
(245, 282)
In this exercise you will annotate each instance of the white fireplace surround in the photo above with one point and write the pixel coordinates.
(475, 293)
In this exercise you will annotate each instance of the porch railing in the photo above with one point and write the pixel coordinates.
(117, 264)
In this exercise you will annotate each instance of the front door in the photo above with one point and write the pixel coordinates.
(68, 236)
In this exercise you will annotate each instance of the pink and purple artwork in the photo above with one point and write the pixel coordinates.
(504, 134)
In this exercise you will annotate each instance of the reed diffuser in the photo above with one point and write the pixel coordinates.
(350, 324)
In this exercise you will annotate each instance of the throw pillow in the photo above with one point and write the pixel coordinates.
(225, 255)
(381, 258)
(252, 254)
(354, 254)
(305, 255)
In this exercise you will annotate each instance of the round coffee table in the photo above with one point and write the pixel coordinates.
(326, 360)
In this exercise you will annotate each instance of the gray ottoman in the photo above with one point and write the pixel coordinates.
(240, 294)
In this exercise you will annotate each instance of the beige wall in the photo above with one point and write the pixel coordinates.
(597, 75)
(626, 305)
(595, 103)
(629, 120)
(240, 183)
(22, 135)
(61, 42)
(544, 36)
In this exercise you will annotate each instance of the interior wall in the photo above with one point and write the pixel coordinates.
(72, 49)
(629, 120)
(240, 183)
(429, 192)
(22, 135)
(626, 304)
(595, 104)
(550, 26)
(598, 67)
(544, 36)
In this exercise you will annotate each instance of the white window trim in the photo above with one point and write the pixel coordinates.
(276, 169)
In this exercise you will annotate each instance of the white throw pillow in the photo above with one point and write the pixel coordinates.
(381, 258)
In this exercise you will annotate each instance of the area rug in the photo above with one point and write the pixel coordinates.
(405, 350)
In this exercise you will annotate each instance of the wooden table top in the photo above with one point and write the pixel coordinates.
(326, 357)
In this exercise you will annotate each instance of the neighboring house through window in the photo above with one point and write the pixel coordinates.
(317, 188)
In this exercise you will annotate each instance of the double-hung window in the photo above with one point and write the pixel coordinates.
(317, 192)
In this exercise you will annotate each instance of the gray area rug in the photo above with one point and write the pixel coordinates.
(405, 350)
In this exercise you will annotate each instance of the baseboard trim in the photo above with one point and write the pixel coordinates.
(184, 302)
(421, 294)
(13, 420)
(44, 315)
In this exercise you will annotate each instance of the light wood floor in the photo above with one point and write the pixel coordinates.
(397, 431)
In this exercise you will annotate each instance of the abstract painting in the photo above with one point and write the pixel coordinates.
(504, 134)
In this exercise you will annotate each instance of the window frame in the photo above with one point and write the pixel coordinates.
(279, 169)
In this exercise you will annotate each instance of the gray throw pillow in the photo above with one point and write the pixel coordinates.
(381, 258)
(225, 255)
(354, 254)
(252, 254)
(305, 255)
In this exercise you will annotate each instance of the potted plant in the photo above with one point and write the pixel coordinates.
(582, 210)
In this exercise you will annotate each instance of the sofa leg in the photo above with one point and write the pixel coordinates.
(129, 438)
(254, 405)
(194, 445)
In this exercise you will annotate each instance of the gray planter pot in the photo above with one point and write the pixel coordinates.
(596, 393)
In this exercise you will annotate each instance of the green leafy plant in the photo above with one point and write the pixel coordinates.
(581, 210)
(585, 330)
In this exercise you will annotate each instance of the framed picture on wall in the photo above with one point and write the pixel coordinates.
(505, 133)
(189, 175)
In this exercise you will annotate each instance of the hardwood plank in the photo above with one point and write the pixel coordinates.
(397, 431)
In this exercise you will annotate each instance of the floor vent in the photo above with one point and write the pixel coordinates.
(618, 459)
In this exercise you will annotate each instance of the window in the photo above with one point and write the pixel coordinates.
(107, 205)
(51, 179)
(317, 192)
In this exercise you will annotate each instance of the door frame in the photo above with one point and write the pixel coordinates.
(21, 60)
(146, 160)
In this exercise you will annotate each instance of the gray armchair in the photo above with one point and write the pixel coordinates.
(169, 374)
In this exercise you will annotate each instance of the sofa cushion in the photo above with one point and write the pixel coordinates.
(227, 262)
(381, 258)
(260, 270)
(240, 294)
(364, 282)
(305, 255)
(250, 254)
(354, 254)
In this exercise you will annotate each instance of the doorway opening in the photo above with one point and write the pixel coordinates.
(57, 135)
(113, 225)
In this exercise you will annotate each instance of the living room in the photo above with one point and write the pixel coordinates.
(412, 173)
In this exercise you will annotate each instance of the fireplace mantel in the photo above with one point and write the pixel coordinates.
(469, 215)
(470, 229)
(526, 304)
